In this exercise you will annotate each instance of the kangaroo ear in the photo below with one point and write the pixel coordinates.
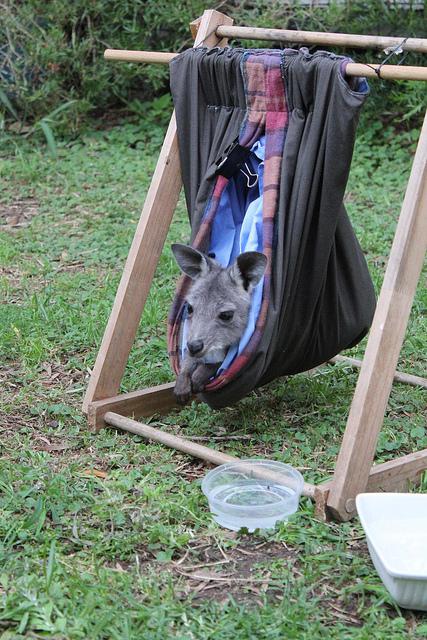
(192, 262)
(249, 268)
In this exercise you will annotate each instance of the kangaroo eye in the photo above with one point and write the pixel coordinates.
(226, 315)
(189, 309)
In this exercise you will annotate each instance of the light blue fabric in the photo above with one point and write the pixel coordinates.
(246, 235)
(237, 227)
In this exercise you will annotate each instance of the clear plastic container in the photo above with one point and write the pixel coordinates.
(252, 493)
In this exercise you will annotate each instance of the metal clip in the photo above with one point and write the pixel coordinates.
(234, 157)
(248, 177)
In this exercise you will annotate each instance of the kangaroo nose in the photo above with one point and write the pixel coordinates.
(195, 347)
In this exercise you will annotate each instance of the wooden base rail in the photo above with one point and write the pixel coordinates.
(387, 72)
(160, 399)
(141, 404)
(181, 444)
(399, 474)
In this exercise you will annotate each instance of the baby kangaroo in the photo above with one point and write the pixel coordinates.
(218, 304)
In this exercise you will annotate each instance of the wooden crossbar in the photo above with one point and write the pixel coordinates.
(351, 40)
(354, 470)
(160, 399)
(386, 72)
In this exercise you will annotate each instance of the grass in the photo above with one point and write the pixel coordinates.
(108, 536)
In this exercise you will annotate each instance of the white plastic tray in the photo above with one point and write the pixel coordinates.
(396, 530)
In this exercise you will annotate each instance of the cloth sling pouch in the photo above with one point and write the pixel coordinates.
(266, 139)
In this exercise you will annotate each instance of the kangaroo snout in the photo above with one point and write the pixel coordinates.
(195, 347)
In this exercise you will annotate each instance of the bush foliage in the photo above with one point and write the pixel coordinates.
(52, 69)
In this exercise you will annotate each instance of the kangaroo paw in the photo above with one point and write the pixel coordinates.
(182, 390)
(201, 375)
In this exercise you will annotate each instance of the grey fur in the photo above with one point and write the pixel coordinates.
(215, 290)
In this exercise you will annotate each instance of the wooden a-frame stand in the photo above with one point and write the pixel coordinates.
(354, 471)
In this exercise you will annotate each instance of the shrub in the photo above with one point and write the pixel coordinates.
(53, 73)
(52, 53)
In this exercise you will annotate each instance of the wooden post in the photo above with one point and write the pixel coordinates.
(145, 251)
(384, 344)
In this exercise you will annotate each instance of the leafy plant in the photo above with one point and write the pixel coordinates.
(52, 52)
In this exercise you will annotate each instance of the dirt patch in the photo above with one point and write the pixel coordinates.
(191, 469)
(11, 423)
(57, 375)
(248, 574)
(337, 606)
(212, 573)
(10, 377)
(208, 572)
(13, 277)
(51, 376)
(18, 214)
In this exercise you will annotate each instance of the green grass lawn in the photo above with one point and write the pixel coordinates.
(108, 536)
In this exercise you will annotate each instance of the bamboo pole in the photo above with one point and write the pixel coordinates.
(181, 444)
(123, 55)
(399, 376)
(388, 72)
(319, 38)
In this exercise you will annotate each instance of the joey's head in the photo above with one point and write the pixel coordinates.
(219, 298)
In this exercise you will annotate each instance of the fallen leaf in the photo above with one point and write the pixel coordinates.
(95, 472)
